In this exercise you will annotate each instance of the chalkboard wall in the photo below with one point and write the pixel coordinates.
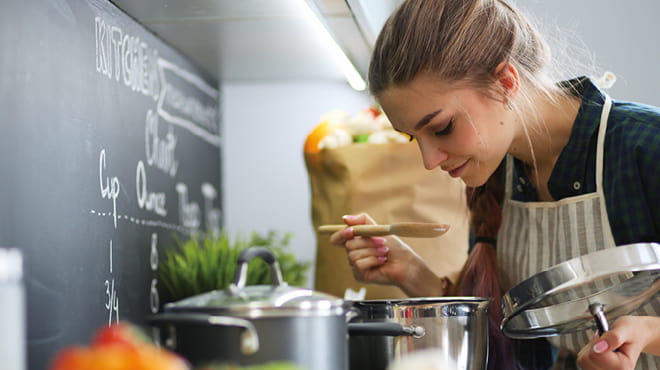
(109, 146)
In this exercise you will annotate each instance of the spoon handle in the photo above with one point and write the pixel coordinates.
(360, 230)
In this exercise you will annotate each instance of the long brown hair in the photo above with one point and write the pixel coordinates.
(464, 41)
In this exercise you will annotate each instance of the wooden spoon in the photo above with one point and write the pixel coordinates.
(412, 229)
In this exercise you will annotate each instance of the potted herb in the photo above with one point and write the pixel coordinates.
(208, 262)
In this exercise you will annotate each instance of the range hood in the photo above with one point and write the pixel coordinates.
(264, 40)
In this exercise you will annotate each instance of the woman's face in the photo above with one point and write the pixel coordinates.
(461, 130)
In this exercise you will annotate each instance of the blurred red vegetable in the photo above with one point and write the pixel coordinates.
(118, 347)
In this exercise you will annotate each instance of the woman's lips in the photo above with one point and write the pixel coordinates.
(458, 171)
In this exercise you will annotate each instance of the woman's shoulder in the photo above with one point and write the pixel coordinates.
(632, 147)
(625, 118)
(635, 126)
(629, 111)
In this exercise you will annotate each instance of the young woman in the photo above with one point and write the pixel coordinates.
(554, 170)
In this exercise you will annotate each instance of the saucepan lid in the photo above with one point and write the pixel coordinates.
(583, 292)
(255, 301)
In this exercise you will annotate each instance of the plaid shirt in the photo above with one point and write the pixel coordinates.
(631, 169)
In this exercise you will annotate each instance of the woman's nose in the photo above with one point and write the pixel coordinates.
(432, 156)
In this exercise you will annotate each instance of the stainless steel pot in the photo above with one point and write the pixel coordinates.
(455, 327)
(257, 324)
(249, 325)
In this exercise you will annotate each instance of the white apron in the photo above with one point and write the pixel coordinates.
(535, 236)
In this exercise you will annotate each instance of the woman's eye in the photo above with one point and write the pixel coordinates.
(447, 130)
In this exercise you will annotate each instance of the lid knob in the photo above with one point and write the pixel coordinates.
(245, 257)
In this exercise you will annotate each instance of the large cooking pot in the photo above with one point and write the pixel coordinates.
(456, 330)
(257, 324)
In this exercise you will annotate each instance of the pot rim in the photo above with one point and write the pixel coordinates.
(424, 300)
(318, 309)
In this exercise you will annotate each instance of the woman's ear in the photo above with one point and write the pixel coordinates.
(507, 77)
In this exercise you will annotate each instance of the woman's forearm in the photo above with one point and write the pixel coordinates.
(422, 282)
(653, 346)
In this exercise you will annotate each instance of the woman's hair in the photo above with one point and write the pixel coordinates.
(463, 42)
(457, 41)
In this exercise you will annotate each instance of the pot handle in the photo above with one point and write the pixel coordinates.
(249, 337)
(352, 313)
(390, 329)
(244, 258)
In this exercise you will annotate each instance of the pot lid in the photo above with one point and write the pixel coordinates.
(278, 299)
(583, 292)
(262, 300)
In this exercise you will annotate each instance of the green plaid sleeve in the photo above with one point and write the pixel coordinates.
(634, 179)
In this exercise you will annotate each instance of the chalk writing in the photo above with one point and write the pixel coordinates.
(112, 303)
(189, 213)
(154, 299)
(112, 299)
(213, 215)
(109, 189)
(197, 113)
(181, 102)
(151, 201)
(160, 151)
(153, 257)
(126, 58)
(144, 222)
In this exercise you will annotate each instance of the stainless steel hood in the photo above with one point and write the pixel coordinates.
(263, 40)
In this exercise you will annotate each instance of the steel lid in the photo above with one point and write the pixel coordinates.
(278, 299)
(261, 300)
(561, 299)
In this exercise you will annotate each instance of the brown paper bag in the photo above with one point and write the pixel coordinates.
(389, 182)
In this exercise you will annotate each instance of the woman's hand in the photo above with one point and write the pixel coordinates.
(619, 348)
(386, 260)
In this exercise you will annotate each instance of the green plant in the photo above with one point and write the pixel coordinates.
(208, 262)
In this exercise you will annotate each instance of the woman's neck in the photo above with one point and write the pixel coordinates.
(542, 138)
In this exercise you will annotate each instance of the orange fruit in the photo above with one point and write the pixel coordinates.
(315, 136)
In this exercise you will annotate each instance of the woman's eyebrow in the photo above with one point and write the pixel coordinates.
(426, 119)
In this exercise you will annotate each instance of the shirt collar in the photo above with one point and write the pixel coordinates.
(573, 173)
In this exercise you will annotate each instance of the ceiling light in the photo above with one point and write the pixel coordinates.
(352, 75)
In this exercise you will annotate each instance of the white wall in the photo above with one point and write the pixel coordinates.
(264, 126)
(619, 36)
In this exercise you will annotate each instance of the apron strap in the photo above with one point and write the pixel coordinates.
(600, 156)
(508, 182)
(600, 144)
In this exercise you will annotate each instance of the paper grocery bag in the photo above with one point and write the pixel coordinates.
(390, 183)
